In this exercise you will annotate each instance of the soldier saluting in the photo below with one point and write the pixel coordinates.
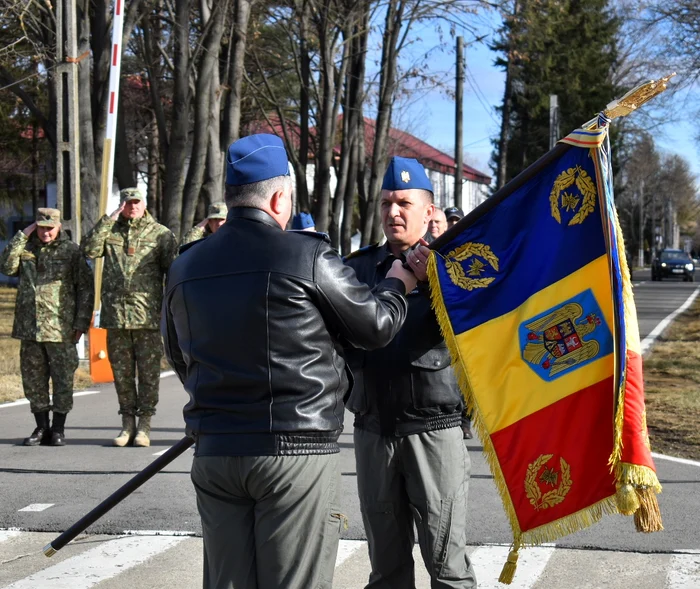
(53, 309)
(216, 217)
(138, 252)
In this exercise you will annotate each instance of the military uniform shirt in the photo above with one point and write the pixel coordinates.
(56, 290)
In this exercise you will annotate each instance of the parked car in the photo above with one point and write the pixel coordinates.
(672, 262)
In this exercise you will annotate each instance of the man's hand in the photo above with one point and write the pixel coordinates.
(77, 334)
(406, 276)
(203, 223)
(28, 230)
(115, 215)
(417, 259)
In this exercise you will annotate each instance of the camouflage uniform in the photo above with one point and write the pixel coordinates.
(54, 299)
(216, 210)
(138, 253)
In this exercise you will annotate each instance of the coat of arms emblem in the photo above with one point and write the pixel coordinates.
(565, 337)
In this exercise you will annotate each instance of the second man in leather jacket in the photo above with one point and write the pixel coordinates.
(255, 319)
(412, 465)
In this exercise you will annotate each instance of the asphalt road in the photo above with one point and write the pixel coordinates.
(75, 478)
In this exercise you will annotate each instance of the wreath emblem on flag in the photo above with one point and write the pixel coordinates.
(480, 257)
(585, 196)
(560, 481)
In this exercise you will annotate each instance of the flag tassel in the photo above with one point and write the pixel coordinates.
(626, 499)
(509, 568)
(648, 517)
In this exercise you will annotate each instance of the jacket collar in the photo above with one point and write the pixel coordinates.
(252, 214)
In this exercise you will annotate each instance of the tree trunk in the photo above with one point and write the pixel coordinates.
(304, 107)
(502, 157)
(202, 113)
(179, 139)
(213, 189)
(124, 172)
(232, 110)
(152, 199)
(371, 228)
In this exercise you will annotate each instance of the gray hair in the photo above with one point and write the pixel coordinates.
(255, 194)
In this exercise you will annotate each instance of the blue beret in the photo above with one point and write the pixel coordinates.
(302, 221)
(256, 158)
(405, 173)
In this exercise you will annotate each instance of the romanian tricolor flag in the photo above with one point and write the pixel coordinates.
(533, 295)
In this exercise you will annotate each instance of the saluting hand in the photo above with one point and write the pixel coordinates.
(115, 215)
(417, 259)
(203, 223)
(28, 230)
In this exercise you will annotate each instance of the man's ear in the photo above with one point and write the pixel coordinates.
(429, 210)
(278, 202)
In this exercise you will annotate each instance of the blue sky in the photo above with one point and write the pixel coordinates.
(432, 117)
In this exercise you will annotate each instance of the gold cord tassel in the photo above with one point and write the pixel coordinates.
(648, 517)
(508, 571)
(626, 499)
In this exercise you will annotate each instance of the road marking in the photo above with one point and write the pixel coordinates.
(531, 565)
(37, 507)
(159, 533)
(657, 331)
(346, 548)
(7, 534)
(684, 571)
(674, 459)
(98, 564)
(165, 374)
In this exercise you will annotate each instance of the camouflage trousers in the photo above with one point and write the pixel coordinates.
(132, 352)
(40, 361)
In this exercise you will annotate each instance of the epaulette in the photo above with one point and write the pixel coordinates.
(317, 234)
(361, 251)
(184, 248)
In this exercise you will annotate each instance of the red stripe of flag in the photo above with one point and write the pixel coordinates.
(115, 53)
(634, 432)
(111, 103)
(578, 429)
(118, 10)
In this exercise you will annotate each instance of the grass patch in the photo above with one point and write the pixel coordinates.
(10, 379)
(672, 388)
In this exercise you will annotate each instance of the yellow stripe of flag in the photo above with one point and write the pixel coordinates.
(493, 356)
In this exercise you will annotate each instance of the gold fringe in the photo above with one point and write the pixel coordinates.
(571, 523)
(637, 476)
(509, 568)
(626, 498)
(648, 517)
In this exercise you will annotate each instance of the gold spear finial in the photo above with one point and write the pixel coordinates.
(636, 97)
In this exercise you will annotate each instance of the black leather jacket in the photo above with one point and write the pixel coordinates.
(409, 386)
(253, 319)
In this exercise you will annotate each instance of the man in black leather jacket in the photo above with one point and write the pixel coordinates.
(254, 317)
(412, 465)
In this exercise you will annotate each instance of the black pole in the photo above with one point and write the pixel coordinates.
(124, 491)
(499, 196)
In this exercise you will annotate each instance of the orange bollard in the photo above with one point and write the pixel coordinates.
(100, 366)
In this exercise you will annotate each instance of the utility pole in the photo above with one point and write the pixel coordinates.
(553, 120)
(641, 225)
(459, 115)
(67, 131)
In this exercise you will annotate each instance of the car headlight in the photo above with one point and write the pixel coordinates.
(689, 267)
(663, 264)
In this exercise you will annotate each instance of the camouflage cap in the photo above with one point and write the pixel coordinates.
(131, 194)
(48, 217)
(217, 210)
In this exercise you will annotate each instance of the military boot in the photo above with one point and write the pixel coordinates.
(126, 436)
(41, 430)
(144, 431)
(58, 436)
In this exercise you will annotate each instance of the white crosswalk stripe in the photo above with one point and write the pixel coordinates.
(166, 561)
